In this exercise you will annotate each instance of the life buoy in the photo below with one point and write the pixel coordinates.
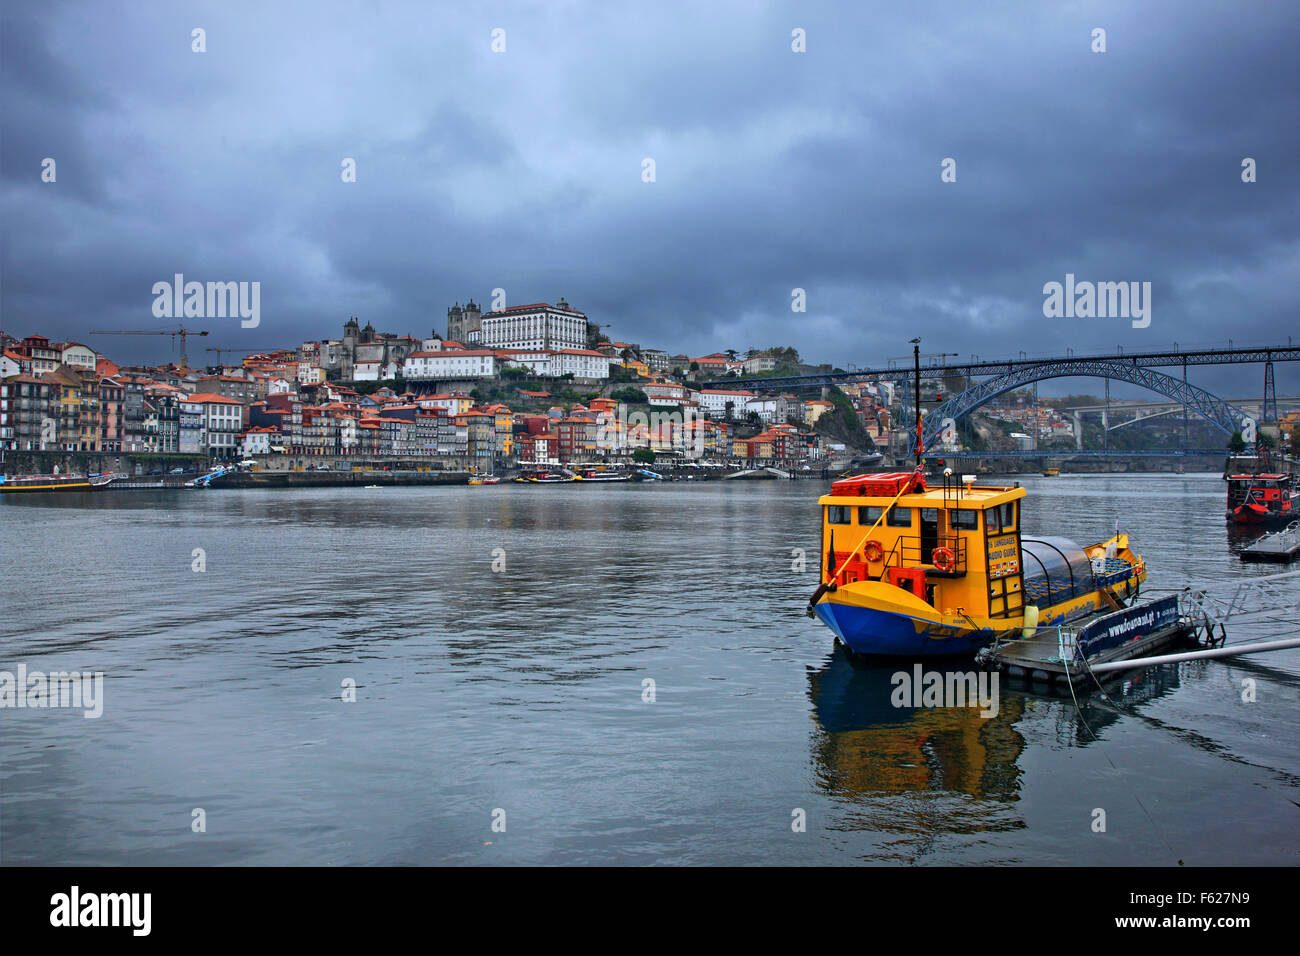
(942, 559)
(873, 551)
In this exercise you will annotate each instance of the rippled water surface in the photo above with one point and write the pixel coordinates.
(522, 690)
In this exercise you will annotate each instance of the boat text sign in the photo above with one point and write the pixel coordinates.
(1126, 625)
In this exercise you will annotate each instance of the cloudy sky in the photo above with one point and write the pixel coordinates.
(774, 170)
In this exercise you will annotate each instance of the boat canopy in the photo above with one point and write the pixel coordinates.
(1055, 569)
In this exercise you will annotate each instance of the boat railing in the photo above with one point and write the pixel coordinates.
(912, 551)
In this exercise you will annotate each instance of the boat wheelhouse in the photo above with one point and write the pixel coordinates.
(908, 570)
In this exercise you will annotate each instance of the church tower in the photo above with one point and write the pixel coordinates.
(453, 322)
(472, 321)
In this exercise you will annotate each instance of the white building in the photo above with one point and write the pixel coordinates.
(310, 374)
(79, 356)
(256, 443)
(537, 361)
(210, 424)
(365, 372)
(714, 401)
(665, 394)
(537, 326)
(451, 364)
(451, 404)
(583, 363)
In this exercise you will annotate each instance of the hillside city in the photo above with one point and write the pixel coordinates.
(535, 384)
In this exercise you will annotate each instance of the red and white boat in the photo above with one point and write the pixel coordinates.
(1259, 492)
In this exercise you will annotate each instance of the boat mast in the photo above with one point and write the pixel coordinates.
(916, 363)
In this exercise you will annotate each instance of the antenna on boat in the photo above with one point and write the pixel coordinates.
(916, 364)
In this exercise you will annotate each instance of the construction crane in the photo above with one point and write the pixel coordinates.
(219, 351)
(179, 330)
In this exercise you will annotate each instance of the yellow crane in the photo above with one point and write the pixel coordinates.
(179, 330)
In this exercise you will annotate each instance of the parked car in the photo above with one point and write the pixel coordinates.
(154, 471)
(177, 471)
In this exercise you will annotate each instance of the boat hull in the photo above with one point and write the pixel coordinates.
(47, 484)
(879, 620)
(873, 632)
(1248, 515)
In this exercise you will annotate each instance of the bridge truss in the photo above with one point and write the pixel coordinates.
(1228, 418)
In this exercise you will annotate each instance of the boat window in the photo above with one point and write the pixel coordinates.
(1005, 516)
(868, 515)
(930, 515)
(964, 519)
(899, 518)
(839, 514)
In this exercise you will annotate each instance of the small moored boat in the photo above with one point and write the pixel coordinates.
(1259, 492)
(29, 484)
(910, 571)
(544, 477)
(913, 571)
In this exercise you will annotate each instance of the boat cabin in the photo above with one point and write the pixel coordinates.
(956, 547)
(1263, 492)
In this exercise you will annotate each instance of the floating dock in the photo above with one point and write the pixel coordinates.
(1127, 639)
(1281, 547)
(1066, 653)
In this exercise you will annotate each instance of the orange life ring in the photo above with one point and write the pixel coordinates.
(942, 559)
(873, 551)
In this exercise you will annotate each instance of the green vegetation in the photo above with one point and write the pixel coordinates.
(784, 355)
(842, 423)
(632, 396)
(619, 375)
(644, 456)
(507, 392)
(398, 385)
(1236, 444)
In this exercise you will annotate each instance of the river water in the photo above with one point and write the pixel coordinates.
(502, 640)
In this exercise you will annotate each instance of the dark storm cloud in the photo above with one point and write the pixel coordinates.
(775, 170)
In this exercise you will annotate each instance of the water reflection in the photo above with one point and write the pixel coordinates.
(864, 744)
(956, 770)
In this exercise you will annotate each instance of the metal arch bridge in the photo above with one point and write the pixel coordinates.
(1226, 417)
(1172, 357)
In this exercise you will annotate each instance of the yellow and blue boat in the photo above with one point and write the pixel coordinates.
(912, 571)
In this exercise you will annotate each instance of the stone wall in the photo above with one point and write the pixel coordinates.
(90, 462)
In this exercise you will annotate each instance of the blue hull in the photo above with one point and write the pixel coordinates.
(865, 631)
